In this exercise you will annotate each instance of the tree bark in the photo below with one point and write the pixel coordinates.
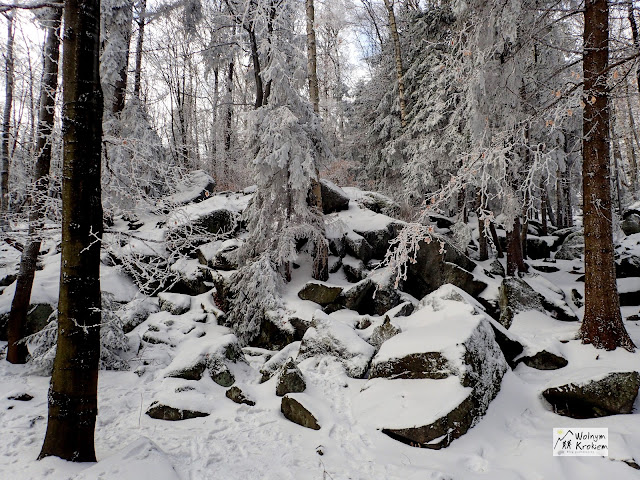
(543, 208)
(602, 325)
(634, 35)
(17, 351)
(74, 383)
(120, 91)
(312, 72)
(515, 259)
(496, 240)
(6, 118)
(139, 43)
(398, 58)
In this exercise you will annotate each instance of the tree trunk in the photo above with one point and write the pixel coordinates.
(229, 119)
(398, 57)
(74, 383)
(515, 260)
(17, 352)
(560, 200)
(257, 74)
(496, 240)
(602, 325)
(634, 35)
(120, 90)
(617, 160)
(543, 208)
(633, 162)
(140, 41)
(6, 119)
(312, 72)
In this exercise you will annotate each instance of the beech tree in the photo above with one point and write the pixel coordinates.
(6, 116)
(74, 383)
(17, 350)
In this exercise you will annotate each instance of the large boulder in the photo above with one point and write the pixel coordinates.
(630, 222)
(320, 292)
(435, 380)
(379, 236)
(439, 262)
(219, 254)
(614, 394)
(357, 246)
(193, 188)
(39, 315)
(374, 201)
(572, 248)
(212, 356)
(628, 265)
(330, 337)
(334, 198)
(539, 247)
(516, 296)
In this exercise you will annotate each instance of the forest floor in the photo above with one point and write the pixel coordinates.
(512, 441)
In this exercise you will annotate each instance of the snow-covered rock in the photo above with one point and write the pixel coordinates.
(194, 187)
(320, 292)
(290, 379)
(611, 395)
(334, 198)
(630, 222)
(447, 349)
(572, 247)
(357, 246)
(330, 337)
(437, 263)
(161, 411)
(517, 295)
(174, 303)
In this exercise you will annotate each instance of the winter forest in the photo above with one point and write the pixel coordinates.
(319, 239)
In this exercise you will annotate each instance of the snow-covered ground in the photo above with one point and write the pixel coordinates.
(513, 440)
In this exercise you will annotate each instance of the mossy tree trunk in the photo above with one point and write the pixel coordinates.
(74, 383)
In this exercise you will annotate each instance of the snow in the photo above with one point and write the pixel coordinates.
(47, 282)
(511, 441)
(141, 458)
(400, 403)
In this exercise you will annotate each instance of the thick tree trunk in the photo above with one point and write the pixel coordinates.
(74, 383)
(312, 73)
(515, 259)
(398, 58)
(17, 351)
(602, 325)
(6, 119)
(137, 77)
